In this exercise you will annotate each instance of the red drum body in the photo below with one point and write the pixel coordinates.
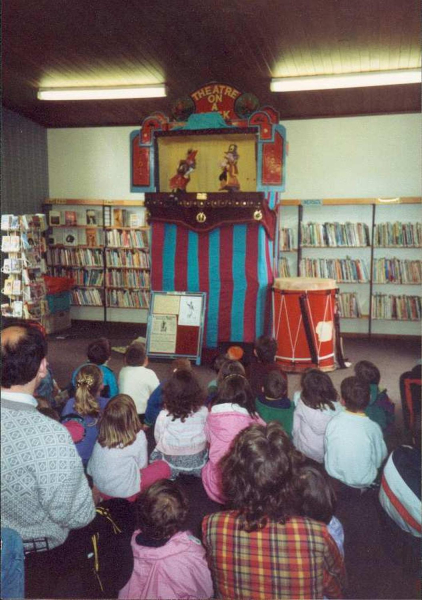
(304, 323)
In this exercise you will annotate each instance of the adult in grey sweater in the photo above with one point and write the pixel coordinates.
(44, 492)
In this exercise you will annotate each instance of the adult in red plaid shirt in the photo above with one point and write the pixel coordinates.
(260, 549)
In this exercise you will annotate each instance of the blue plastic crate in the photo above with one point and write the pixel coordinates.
(58, 302)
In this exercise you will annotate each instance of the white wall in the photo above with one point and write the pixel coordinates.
(352, 157)
(356, 157)
(90, 163)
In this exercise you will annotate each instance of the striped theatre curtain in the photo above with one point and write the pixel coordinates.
(233, 264)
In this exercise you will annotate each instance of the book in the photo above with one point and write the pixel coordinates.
(27, 221)
(55, 218)
(17, 287)
(8, 286)
(70, 218)
(91, 236)
(17, 308)
(7, 267)
(15, 265)
(40, 218)
(6, 221)
(91, 216)
(107, 216)
(15, 243)
(70, 237)
(5, 243)
(135, 220)
(119, 217)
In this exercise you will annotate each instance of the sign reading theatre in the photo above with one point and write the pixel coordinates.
(216, 98)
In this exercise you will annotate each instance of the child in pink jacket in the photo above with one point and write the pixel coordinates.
(168, 562)
(232, 410)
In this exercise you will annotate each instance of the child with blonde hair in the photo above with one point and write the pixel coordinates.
(88, 404)
(118, 465)
(168, 561)
(99, 353)
(179, 428)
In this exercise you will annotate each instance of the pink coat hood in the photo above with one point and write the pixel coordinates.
(176, 570)
(221, 428)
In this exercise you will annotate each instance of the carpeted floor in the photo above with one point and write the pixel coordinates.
(377, 565)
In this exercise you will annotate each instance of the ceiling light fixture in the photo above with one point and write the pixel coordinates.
(346, 80)
(103, 93)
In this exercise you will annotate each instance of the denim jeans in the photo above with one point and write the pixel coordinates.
(12, 565)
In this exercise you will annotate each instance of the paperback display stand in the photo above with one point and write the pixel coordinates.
(176, 325)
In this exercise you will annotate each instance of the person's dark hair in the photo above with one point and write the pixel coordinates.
(236, 389)
(99, 351)
(318, 499)
(355, 393)
(367, 371)
(49, 412)
(182, 394)
(218, 362)
(21, 357)
(162, 510)
(318, 390)
(258, 475)
(266, 349)
(135, 354)
(230, 367)
(275, 385)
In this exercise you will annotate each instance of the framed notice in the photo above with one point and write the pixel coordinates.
(176, 325)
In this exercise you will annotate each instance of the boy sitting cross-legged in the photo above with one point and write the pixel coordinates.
(354, 445)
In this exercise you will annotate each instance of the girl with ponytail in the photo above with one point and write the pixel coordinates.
(86, 407)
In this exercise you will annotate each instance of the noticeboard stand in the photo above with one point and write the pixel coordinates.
(176, 325)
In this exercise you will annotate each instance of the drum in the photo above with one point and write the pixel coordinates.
(304, 310)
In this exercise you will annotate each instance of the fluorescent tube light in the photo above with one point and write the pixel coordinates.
(103, 93)
(347, 80)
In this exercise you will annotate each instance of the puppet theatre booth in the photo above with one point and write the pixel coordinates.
(211, 181)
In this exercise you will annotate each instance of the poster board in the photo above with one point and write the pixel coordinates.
(176, 325)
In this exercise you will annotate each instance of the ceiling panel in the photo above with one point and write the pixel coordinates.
(59, 43)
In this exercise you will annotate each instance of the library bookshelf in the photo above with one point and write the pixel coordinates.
(103, 246)
(370, 246)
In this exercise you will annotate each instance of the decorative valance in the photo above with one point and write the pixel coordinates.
(205, 212)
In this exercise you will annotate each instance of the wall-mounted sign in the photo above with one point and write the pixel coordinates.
(230, 102)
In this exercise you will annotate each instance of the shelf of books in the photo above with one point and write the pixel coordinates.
(397, 269)
(23, 266)
(369, 246)
(104, 247)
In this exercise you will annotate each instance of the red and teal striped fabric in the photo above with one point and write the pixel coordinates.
(233, 264)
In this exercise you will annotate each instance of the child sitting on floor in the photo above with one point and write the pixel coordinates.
(318, 501)
(380, 408)
(228, 367)
(155, 401)
(273, 404)
(265, 352)
(232, 410)
(88, 404)
(354, 445)
(98, 353)
(168, 562)
(118, 465)
(135, 379)
(217, 363)
(179, 428)
(315, 407)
